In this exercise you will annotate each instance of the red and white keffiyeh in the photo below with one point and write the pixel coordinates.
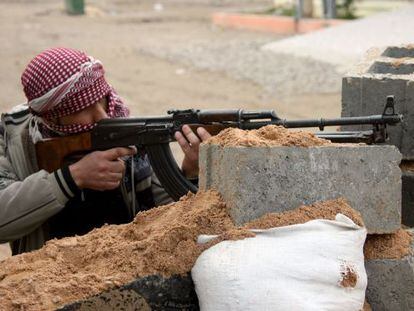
(62, 81)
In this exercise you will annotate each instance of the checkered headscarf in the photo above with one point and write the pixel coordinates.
(62, 81)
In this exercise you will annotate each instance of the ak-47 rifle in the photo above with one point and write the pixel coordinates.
(155, 133)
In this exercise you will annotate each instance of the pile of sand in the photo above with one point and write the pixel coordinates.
(159, 241)
(388, 246)
(321, 210)
(270, 135)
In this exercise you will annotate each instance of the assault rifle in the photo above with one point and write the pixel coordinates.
(155, 133)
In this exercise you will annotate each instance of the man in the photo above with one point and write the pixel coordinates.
(67, 94)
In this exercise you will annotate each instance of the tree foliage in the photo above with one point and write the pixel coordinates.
(346, 9)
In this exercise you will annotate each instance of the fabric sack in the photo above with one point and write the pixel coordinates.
(318, 265)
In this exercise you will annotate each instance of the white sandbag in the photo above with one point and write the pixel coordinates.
(318, 265)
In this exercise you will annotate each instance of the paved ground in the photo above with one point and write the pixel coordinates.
(344, 45)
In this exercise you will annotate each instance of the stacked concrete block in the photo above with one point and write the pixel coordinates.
(391, 283)
(258, 180)
(386, 71)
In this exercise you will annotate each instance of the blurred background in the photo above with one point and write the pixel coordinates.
(171, 54)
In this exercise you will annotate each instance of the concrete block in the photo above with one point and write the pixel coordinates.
(351, 96)
(399, 52)
(388, 71)
(407, 198)
(258, 180)
(391, 283)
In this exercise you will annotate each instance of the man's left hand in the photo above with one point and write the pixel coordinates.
(190, 143)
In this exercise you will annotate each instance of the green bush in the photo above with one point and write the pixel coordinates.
(282, 10)
(345, 9)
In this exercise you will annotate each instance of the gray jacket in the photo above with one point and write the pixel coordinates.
(29, 196)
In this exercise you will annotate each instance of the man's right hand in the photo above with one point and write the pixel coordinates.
(101, 170)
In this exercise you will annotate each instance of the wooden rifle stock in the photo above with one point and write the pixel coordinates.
(52, 152)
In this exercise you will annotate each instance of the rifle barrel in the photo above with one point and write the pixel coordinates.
(321, 123)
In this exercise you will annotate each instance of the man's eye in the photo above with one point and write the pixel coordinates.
(105, 105)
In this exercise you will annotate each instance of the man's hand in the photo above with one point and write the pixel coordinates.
(190, 143)
(100, 170)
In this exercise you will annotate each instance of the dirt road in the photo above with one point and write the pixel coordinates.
(129, 37)
(155, 55)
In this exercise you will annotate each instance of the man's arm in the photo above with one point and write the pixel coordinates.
(26, 204)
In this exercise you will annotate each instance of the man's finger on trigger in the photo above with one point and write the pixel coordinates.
(115, 153)
(203, 133)
(133, 149)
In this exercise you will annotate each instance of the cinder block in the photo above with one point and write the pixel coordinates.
(258, 180)
(388, 71)
(391, 283)
(408, 198)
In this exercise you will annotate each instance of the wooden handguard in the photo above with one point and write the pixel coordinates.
(51, 152)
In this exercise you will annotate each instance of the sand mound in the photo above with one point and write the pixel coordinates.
(388, 246)
(160, 241)
(270, 135)
(302, 214)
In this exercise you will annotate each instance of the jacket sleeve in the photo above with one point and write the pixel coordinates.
(27, 204)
